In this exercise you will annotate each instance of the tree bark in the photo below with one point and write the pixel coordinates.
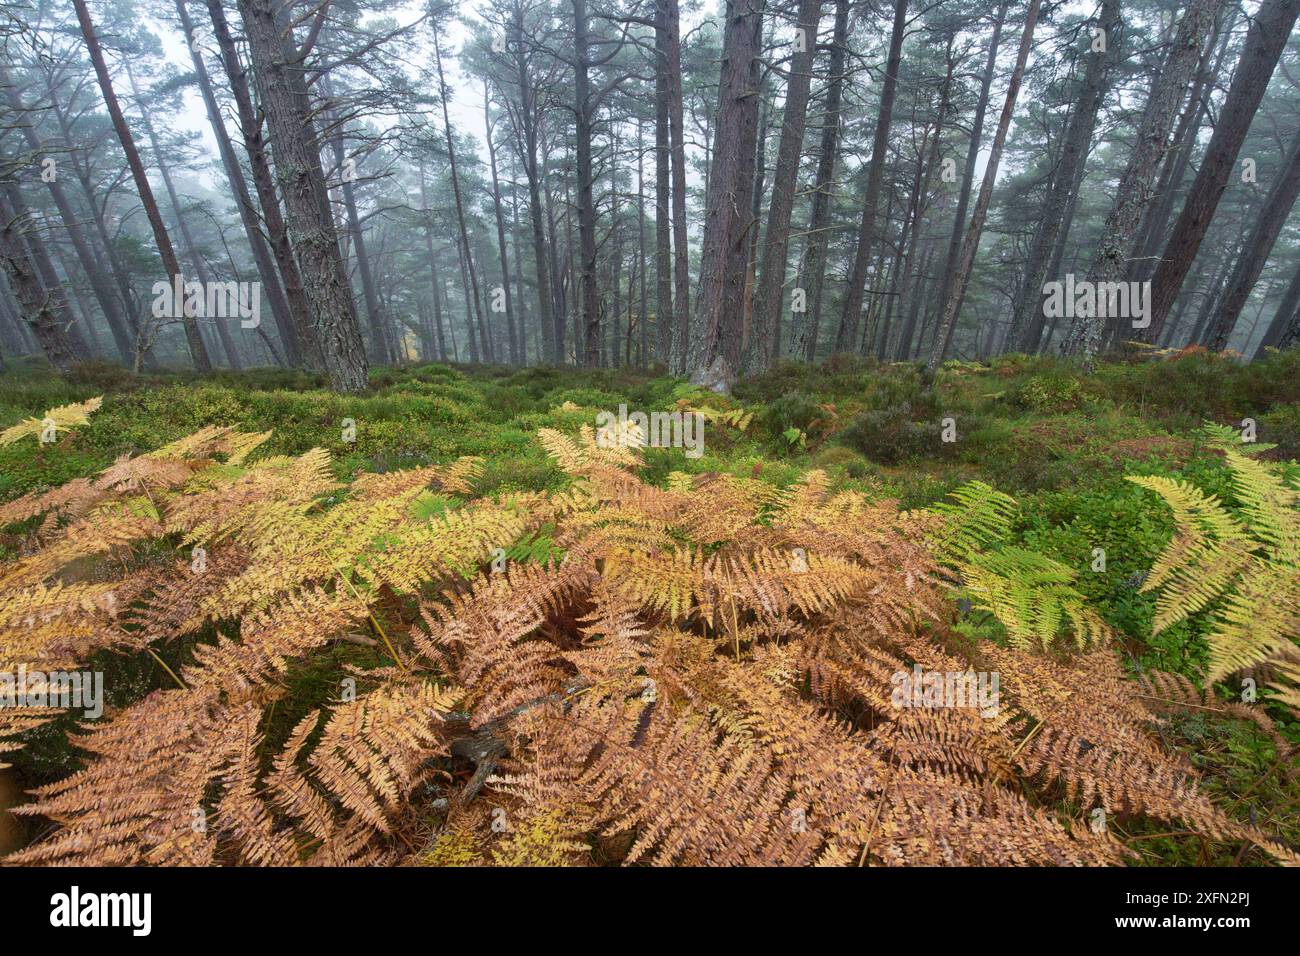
(803, 334)
(614, 333)
(968, 174)
(1134, 191)
(785, 179)
(264, 185)
(1154, 224)
(250, 127)
(526, 139)
(1265, 41)
(198, 352)
(191, 248)
(663, 227)
(677, 136)
(312, 232)
(381, 349)
(970, 244)
(1029, 318)
(471, 304)
(926, 163)
(243, 201)
(586, 204)
(852, 313)
(725, 252)
(511, 335)
(99, 285)
(521, 324)
(1277, 208)
(96, 212)
(44, 309)
(1284, 329)
(468, 260)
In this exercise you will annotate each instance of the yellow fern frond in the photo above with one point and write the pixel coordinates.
(59, 419)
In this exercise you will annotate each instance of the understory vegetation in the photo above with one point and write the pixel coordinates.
(443, 622)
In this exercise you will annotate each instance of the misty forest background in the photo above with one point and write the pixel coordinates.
(706, 189)
(822, 226)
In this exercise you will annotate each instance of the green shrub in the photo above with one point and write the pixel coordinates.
(891, 435)
(796, 410)
(1281, 426)
(1048, 393)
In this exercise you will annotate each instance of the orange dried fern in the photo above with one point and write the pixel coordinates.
(715, 672)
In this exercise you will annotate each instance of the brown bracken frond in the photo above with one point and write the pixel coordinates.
(713, 672)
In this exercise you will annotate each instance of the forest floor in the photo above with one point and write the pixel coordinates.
(1059, 442)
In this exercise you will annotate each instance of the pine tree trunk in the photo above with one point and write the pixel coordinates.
(614, 332)
(191, 249)
(99, 285)
(467, 257)
(968, 174)
(1285, 324)
(677, 136)
(471, 305)
(1029, 318)
(907, 342)
(642, 360)
(764, 333)
(570, 269)
(527, 148)
(1268, 226)
(198, 352)
(441, 290)
(803, 334)
(302, 184)
(928, 163)
(852, 313)
(559, 262)
(43, 307)
(1154, 224)
(663, 234)
(715, 359)
(512, 339)
(905, 260)
(1134, 192)
(434, 282)
(250, 127)
(522, 324)
(381, 351)
(1265, 41)
(970, 244)
(586, 205)
(247, 211)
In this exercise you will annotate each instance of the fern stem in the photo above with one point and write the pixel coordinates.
(1028, 737)
(880, 805)
(387, 643)
(1183, 703)
(1158, 836)
(163, 664)
(373, 623)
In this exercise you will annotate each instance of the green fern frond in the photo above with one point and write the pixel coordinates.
(1033, 596)
(1226, 437)
(1244, 575)
(977, 517)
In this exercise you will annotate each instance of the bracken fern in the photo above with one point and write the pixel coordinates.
(701, 673)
